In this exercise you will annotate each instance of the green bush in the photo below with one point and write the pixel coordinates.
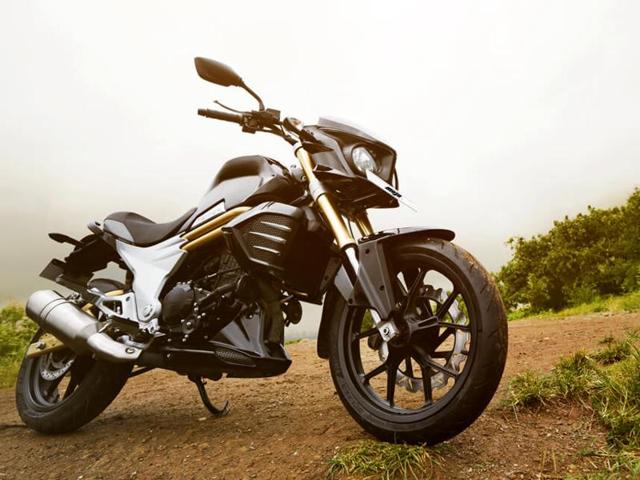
(16, 331)
(580, 259)
(630, 302)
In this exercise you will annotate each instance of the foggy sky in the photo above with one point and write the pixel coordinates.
(505, 115)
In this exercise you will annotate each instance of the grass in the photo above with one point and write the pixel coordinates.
(615, 350)
(386, 461)
(608, 382)
(618, 465)
(16, 331)
(629, 302)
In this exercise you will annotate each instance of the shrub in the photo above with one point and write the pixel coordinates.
(16, 331)
(578, 260)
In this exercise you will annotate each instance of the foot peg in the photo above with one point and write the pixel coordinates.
(215, 411)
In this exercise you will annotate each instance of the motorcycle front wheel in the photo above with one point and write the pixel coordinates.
(436, 377)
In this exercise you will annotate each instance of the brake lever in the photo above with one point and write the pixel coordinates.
(229, 108)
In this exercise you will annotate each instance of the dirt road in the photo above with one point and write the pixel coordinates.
(289, 426)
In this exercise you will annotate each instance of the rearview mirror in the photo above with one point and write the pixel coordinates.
(218, 73)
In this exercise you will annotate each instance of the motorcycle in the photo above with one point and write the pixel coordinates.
(412, 325)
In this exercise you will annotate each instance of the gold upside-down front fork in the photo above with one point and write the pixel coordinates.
(341, 233)
(325, 204)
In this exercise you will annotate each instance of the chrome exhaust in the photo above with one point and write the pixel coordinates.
(75, 328)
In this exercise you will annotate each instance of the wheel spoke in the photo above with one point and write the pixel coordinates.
(427, 306)
(73, 383)
(409, 278)
(376, 371)
(440, 368)
(426, 384)
(440, 354)
(426, 361)
(446, 305)
(50, 389)
(414, 290)
(392, 373)
(443, 336)
(408, 367)
(417, 281)
(426, 323)
(365, 334)
(457, 326)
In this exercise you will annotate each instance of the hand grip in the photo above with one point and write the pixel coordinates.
(218, 115)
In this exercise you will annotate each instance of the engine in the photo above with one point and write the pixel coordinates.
(199, 309)
(204, 306)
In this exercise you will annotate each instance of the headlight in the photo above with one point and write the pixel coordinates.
(363, 160)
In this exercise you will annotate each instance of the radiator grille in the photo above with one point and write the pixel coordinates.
(285, 243)
(267, 239)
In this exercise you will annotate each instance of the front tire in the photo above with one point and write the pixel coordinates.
(60, 392)
(452, 387)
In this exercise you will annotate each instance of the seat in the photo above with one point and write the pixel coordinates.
(138, 230)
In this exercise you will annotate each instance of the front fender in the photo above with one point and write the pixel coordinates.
(372, 275)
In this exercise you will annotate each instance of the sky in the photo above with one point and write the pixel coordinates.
(505, 115)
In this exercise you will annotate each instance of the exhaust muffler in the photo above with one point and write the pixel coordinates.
(75, 328)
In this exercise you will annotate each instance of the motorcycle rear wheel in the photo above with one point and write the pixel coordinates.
(59, 392)
(450, 354)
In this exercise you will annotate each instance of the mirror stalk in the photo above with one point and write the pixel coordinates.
(254, 95)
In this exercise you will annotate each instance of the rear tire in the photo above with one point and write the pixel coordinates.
(437, 419)
(96, 384)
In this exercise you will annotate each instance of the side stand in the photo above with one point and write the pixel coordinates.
(215, 411)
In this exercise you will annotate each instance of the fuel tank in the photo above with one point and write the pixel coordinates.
(246, 181)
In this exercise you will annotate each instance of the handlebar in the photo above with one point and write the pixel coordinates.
(218, 115)
(261, 121)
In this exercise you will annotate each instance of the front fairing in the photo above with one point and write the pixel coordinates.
(347, 136)
(330, 144)
(350, 128)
